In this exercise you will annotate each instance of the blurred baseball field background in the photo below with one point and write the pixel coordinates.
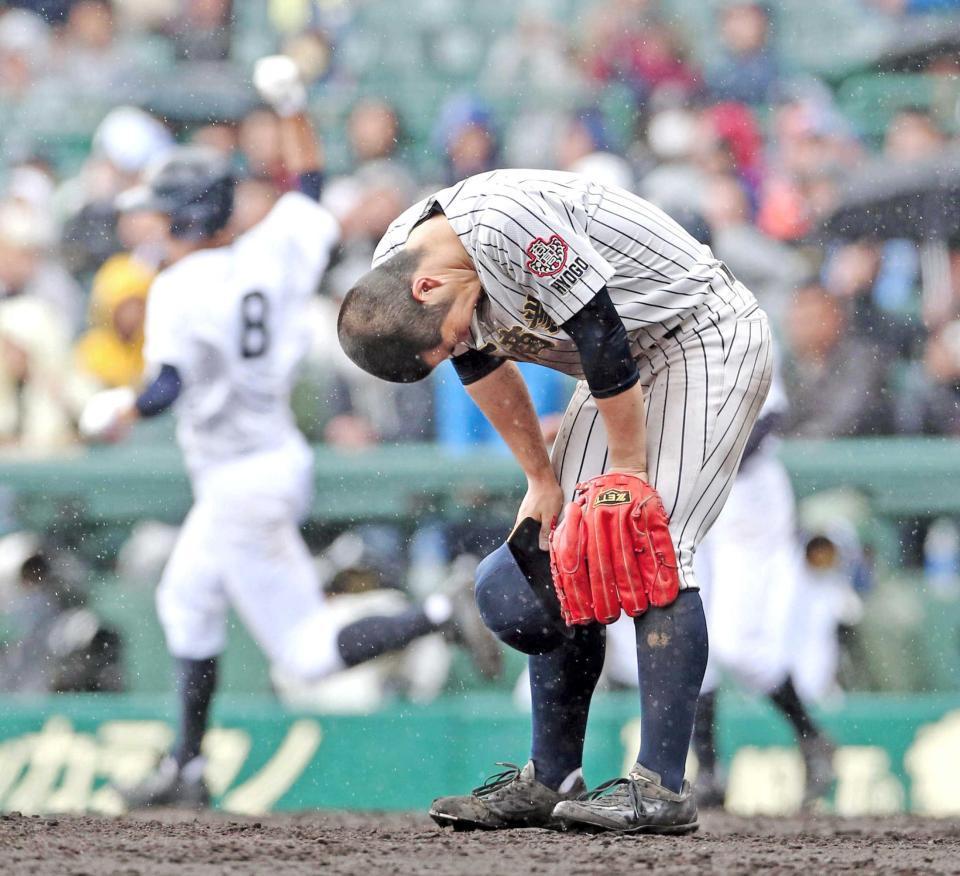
(815, 141)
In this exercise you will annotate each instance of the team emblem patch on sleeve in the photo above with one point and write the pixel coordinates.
(547, 257)
(613, 497)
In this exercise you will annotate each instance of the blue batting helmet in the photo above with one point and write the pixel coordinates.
(194, 186)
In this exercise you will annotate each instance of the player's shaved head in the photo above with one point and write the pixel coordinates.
(383, 328)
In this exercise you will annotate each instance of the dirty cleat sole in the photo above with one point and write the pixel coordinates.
(572, 826)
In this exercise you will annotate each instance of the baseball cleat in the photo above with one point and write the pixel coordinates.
(636, 804)
(511, 799)
(170, 786)
(818, 752)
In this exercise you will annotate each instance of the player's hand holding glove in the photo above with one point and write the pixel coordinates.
(613, 551)
(107, 415)
(278, 83)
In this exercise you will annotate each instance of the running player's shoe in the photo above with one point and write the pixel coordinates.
(170, 785)
(818, 752)
(513, 798)
(636, 804)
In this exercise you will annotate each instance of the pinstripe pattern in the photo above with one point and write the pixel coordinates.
(657, 275)
(703, 390)
(701, 342)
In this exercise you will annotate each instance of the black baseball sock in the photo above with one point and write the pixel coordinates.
(786, 699)
(196, 683)
(704, 732)
(561, 686)
(372, 636)
(671, 658)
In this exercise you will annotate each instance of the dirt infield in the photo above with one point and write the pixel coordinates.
(375, 845)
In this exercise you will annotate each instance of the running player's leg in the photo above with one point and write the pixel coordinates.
(192, 608)
(271, 581)
(273, 585)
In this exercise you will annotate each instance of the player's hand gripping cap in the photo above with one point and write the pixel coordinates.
(106, 414)
(613, 551)
(278, 83)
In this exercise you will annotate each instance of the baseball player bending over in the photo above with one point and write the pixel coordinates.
(674, 358)
(225, 334)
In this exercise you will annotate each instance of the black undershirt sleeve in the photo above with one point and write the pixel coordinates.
(475, 365)
(604, 348)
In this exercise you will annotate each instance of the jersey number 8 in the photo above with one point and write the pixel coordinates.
(254, 337)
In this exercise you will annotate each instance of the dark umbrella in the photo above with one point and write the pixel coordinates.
(919, 42)
(918, 200)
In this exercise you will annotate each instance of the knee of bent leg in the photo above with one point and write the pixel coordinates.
(510, 608)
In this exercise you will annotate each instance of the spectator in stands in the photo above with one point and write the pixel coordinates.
(24, 51)
(835, 379)
(769, 268)
(676, 181)
(201, 31)
(913, 135)
(731, 142)
(28, 267)
(373, 129)
(851, 273)
(929, 403)
(626, 41)
(125, 144)
(111, 350)
(811, 148)
(40, 393)
(91, 56)
(536, 52)
(748, 69)
(584, 147)
(465, 138)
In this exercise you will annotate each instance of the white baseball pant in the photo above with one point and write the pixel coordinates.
(241, 545)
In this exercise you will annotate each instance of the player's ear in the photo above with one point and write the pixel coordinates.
(424, 289)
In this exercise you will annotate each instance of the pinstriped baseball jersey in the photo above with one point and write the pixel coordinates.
(544, 243)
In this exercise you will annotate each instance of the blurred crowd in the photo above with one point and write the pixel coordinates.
(750, 151)
(751, 156)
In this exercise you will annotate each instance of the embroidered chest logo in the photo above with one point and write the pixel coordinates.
(516, 340)
(547, 257)
(537, 317)
(612, 497)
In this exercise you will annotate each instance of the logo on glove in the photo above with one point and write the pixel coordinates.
(613, 497)
(547, 257)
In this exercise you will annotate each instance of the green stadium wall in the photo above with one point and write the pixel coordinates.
(61, 754)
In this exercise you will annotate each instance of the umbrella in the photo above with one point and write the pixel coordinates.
(888, 201)
(917, 201)
(919, 42)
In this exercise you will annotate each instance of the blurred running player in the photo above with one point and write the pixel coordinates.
(225, 334)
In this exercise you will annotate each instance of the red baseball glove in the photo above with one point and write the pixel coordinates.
(613, 551)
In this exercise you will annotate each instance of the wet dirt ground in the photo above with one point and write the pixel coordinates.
(374, 845)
